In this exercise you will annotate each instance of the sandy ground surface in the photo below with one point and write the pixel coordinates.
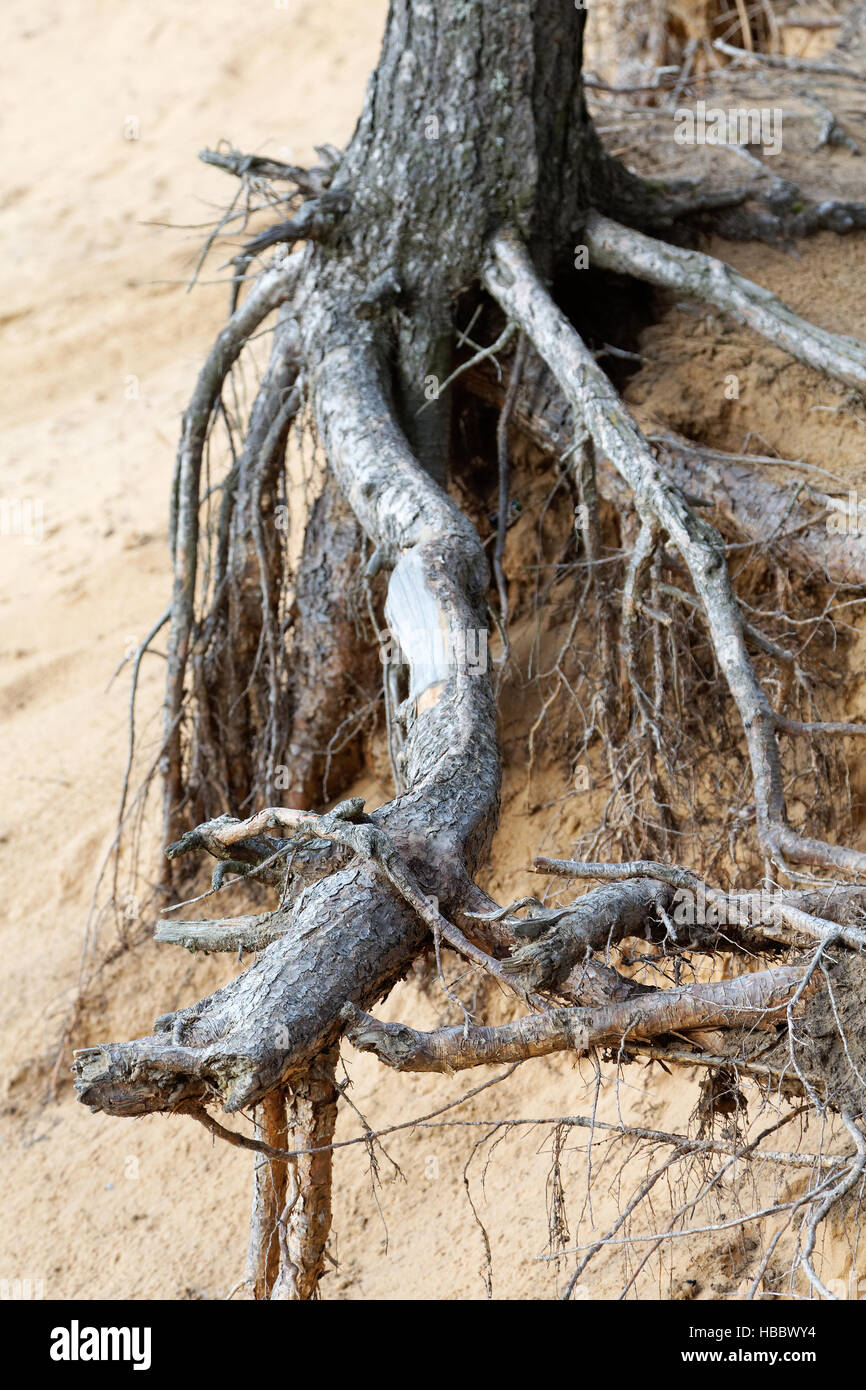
(98, 351)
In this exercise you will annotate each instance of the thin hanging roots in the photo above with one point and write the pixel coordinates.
(669, 768)
(230, 656)
(239, 538)
(231, 616)
(627, 594)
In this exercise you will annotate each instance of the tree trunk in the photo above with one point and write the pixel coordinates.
(474, 117)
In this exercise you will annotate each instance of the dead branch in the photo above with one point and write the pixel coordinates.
(314, 220)
(235, 934)
(746, 1001)
(244, 166)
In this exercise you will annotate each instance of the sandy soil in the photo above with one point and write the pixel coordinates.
(99, 347)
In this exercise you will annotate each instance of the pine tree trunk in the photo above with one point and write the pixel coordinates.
(474, 118)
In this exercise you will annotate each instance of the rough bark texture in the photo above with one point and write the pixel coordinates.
(474, 118)
(269, 1196)
(750, 1001)
(305, 1221)
(336, 673)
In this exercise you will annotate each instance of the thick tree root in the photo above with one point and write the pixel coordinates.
(291, 1212)
(305, 1220)
(335, 670)
(351, 936)
(368, 843)
(773, 918)
(269, 1195)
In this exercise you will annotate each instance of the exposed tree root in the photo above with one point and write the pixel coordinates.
(281, 1013)
(365, 330)
(269, 1196)
(800, 910)
(511, 277)
(848, 1180)
(335, 668)
(305, 1220)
